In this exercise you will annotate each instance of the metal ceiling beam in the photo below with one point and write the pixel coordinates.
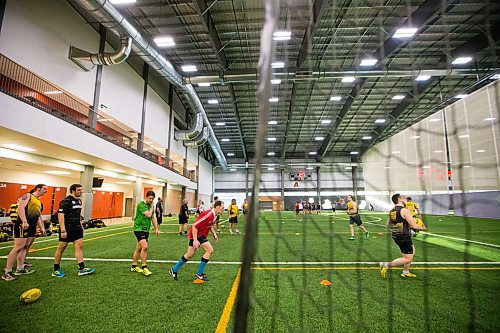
(468, 49)
(208, 23)
(318, 9)
(425, 12)
(238, 121)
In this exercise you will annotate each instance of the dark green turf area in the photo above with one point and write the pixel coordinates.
(441, 299)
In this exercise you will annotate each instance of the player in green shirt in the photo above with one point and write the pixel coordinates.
(144, 215)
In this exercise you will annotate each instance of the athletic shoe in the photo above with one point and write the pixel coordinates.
(136, 269)
(237, 232)
(218, 230)
(180, 234)
(231, 232)
(201, 277)
(383, 269)
(59, 274)
(146, 271)
(174, 274)
(8, 276)
(27, 265)
(408, 275)
(185, 233)
(86, 271)
(367, 234)
(23, 271)
(351, 238)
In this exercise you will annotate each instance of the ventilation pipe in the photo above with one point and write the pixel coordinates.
(193, 132)
(199, 140)
(105, 58)
(107, 15)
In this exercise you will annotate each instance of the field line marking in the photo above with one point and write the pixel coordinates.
(228, 307)
(284, 263)
(351, 268)
(449, 237)
(85, 240)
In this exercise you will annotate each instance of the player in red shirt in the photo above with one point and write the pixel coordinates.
(198, 237)
(297, 209)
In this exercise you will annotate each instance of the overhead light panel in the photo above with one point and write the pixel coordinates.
(326, 121)
(312, 153)
(335, 98)
(348, 79)
(189, 68)
(282, 35)
(379, 121)
(422, 78)
(18, 147)
(271, 153)
(489, 119)
(274, 100)
(272, 122)
(438, 151)
(495, 77)
(275, 81)
(309, 168)
(398, 97)
(463, 136)
(278, 64)
(57, 172)
(434, 120)
(319, 138)
(368, 62)
(354, 152)
(405, 32)
(213, 101)
(367, 137)
(120, 2)
(204, 84)
(480, 151)
(271, 139)
(53, 92)
(230, 154)
(220, 124)
(232, 169)
(415, 137)
(270, 169)
(461, 60)
(225, 140)
(460, 96)
(164, 41)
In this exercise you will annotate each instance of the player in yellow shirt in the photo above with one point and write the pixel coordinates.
(354, 217)
(415, 213)
(233, 212)
(244, 207)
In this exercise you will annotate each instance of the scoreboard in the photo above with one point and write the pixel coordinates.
(301, 175)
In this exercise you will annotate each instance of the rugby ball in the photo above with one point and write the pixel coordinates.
(419, 222)
(30, 296)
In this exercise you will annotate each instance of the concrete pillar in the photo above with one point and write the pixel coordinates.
(86, 180)
(282, 182)
(354, 176)
(246, 182)
(183, 192)
(137, 194)
(318, 187)
(164, 197)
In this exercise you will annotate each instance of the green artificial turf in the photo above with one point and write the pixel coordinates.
(287, 298)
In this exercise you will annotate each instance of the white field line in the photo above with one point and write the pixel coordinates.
(282, 263)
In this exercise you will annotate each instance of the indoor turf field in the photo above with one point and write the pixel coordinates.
(456, 289)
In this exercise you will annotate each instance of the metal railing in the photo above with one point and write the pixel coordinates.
(26, 86)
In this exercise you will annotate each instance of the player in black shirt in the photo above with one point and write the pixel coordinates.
(71, 230)
(183, 218)
(400, 222)
(159, 211)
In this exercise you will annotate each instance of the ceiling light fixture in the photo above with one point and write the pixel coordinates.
(312, 153)
(230, 154)
(270, 169)
(164, 41)
(213, 101)
(278, 64)
(368, 62)
(275, 81)
(463, 136)
(272, 122)
(461, 60)
(422, 78)
(433, 120)
(319, 138)
(326, 121)
(232, 169)
(119, 2)
(271, 153)
(489, 119)
(415, 137)
(438, 151)
(309, 168)
(460, 96)
(480, 151)
(348, 79)
(274, 99)
(189, 68)
(379, 121)
(204, 84)
(282, 35)
(18, 147)
(398, 97)
(354, 152)
(225, 140)
(220, 124)
(335, 98)
(367, 137)
(271, 139)
(405, 32)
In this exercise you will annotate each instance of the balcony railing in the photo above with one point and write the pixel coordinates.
(34, 90)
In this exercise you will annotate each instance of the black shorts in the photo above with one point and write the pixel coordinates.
(183, 219)
(233, 219)
(140, 235)
(72, 234)
(333, 209)
(19, 232)
(201, 239)
(355, 219)
(405, 244)
(158, 219)
(297, 211)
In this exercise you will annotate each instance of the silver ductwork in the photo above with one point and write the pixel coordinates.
(108, 16)
(199, 140)
(81, 57)
(193, 132)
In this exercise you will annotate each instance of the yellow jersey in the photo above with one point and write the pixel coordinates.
(412, 207)
(232, 210)
(245, 206)
(351, 210)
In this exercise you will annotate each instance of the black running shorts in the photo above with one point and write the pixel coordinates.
(233, 219)
(140, 235)
(405, 244)
(202, 239)
(72, 234)
(355, 219)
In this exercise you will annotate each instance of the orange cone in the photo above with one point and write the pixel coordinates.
(325, 283)
(198, 281)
